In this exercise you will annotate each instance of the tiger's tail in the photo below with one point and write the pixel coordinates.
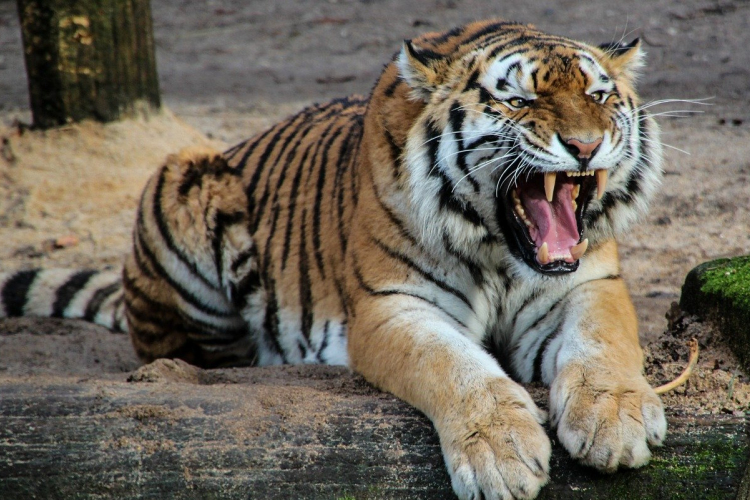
(95, 296)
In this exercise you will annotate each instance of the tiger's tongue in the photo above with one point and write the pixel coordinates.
(555, 222)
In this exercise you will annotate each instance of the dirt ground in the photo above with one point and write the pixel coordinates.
(229, 68)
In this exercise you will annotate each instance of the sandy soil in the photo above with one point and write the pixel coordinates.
(228, 69)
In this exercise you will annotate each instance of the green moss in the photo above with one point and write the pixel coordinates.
(730, 278)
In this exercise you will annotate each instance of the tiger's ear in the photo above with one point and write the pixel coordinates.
(624, 60)
(421, 68)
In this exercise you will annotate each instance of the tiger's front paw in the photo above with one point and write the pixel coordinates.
(494, 445)
(605, 421)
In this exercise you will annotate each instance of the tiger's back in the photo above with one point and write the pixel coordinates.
(224, 247)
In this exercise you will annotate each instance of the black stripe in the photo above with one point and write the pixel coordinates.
(248, 285)
(388, 292)
(295, 187)
(391, 88)
(116, 313)
(393, 218)
(485, 97)
(231, 152)
(267, 254)
(242, 258)
(302, 349)
(221, 222)
(465, 209)
(439, 40)
(166, 234)
(16, 290)
(425, 274)
(474, 269)
(324, 342)
(485, 139)
(537, 376)
(501, 26)
(353, 177)
(65, 294)
(422, 54)
(346, 154)
(395, 154)
(473, 81)
(99, 297)
(513, 67)
(433, 142)
(505, 47)
(139, 258)
(529, 299)
(207, 165)
(305, 286)
(323, 166)
(456, 117)
(193, 177)
(271, 319)
(293, 204)
(242, 162)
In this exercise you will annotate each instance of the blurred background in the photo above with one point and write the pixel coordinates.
(221, 60)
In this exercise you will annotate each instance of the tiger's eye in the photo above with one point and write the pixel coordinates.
(599, 96)
(518, 102)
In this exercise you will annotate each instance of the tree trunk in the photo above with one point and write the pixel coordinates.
(291, 433)
(88, 59)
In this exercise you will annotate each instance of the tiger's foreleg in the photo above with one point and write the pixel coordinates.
(489, 428)
(605, 411)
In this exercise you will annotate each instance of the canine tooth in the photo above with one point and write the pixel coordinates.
(578, 250)
(549, 185)
(575, 205)
(576, 191)
(515, 195)
(542, 254)
(601, 182)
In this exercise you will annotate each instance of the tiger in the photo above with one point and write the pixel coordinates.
(449, 237)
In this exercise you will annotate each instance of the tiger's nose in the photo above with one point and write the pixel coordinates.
(583, 150)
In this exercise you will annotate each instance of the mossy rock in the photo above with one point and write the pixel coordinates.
(719, 292)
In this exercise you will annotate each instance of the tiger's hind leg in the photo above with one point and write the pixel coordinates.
(181, 293)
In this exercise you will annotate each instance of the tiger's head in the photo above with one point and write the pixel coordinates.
(519, 137)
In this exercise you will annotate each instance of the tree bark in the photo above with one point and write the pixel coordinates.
(88, 59)
(292, 433)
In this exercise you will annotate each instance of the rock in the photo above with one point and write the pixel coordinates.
(719, 292)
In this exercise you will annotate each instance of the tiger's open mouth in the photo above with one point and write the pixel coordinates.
(546, 213)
